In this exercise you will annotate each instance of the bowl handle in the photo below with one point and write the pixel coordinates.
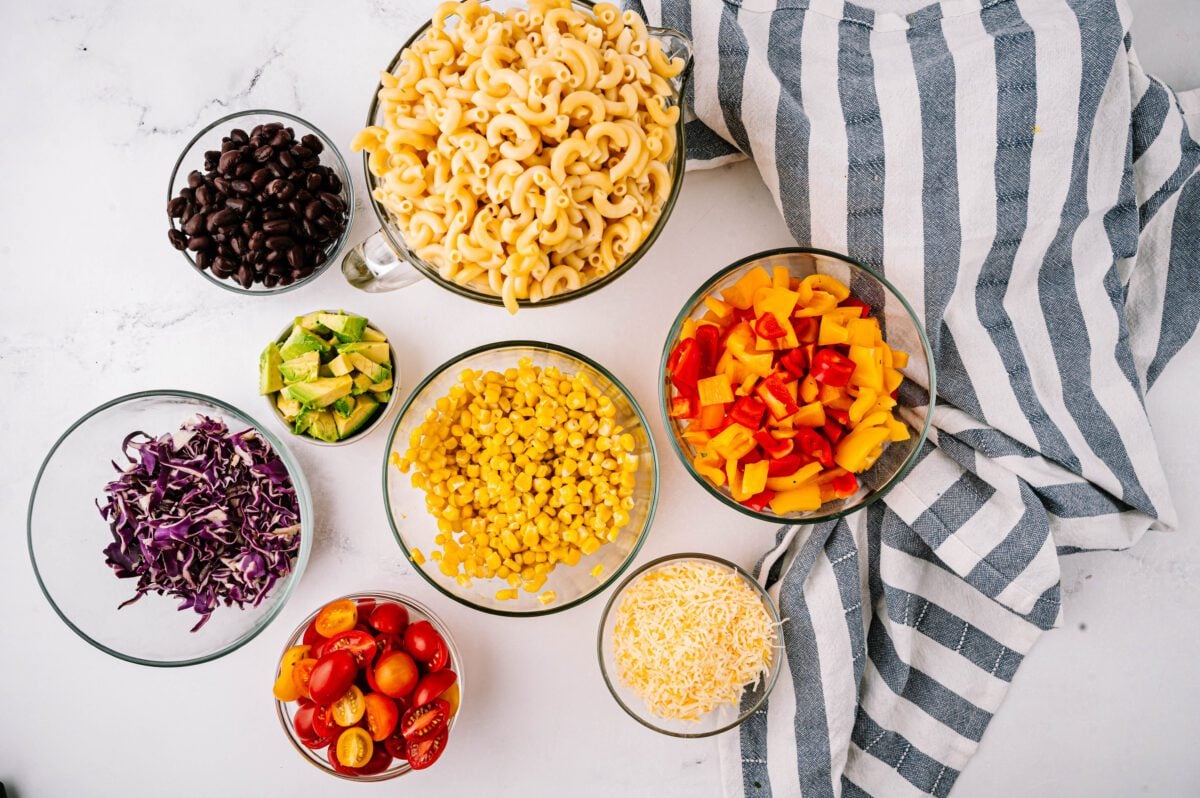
(373, 266)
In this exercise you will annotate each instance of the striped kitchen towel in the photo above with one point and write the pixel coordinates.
(1033, 193)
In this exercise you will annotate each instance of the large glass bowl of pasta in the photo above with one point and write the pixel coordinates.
(522, 154)
(797, 385)
(520, 478)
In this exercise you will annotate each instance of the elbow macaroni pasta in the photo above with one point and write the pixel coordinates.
(526, 153)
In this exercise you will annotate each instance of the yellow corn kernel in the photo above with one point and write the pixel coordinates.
(417, 556)
(597, 571)
(548, 597)
(507, 595)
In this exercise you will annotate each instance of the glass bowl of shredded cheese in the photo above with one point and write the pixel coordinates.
(689, 645)
(520, 478)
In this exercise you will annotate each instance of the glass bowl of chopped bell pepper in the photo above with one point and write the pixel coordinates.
(797, 385)
(520, 478)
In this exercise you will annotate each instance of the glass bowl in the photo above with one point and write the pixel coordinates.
(209, 138)
(365, 431)
(67, 537)
(377, 264)
(286, 712)
(902, 330)
(415, 528)
(722, 718)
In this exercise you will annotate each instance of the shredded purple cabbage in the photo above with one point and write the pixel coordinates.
(204, 515)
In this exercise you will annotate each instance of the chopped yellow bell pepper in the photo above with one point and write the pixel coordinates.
(810, 389)
(696, 437)
(820, 304)
(779, 301)
(864, 332)
(892, 380)
(780, 277)
(747, 386)
(714, 390)
(863, 403)
(868, 371)
(795, 479)
(899, 359)
(831, 332)
(754, 477)
(733, 442)
(853, 451)
(809, 415)
(711, 416)
(897, 430)
(705, 469)
(688, 330)
(803, 498)
(822, 282)
(741, 293)
(722, 310)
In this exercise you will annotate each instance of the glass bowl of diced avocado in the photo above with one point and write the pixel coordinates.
(329, 377)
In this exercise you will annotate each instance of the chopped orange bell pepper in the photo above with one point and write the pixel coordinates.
(803, 498)
(714, 390)
(754, 477)
(853, 451)
(795, 479)
(809, 415)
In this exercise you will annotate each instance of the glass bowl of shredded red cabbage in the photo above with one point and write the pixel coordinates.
(169, 528)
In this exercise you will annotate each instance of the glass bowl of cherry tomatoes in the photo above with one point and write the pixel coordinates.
(368, 687)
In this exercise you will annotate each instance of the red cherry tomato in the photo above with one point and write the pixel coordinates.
(382, 716)
(302, 722)
(425, 721)
(396, 674)
(389, 618)
(324, 725)
(397, 746)
(421, 640)
(316, 743)
(337, 763)
(423, 753)
(359, 643)
(365, 607)
(432, 685)
(381, 760)
(301, 672)
(332, 676)
(440, 658)
(311, 636)
(336, 616)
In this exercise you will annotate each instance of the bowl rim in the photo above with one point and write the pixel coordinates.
(430, 273)
(333, 249)
(409, 603)
(299, 483)
(601, 585)
(746, 576)
(362, 433)
(673, 335)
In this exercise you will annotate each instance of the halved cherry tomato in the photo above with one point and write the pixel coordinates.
(425, 721)
(452, 697)
(354, 747)
(440, 658)
(348, 710)
(432, 685)
(382, 716)
(365, 607)
(396, 674)
(285, 687)
(359, 643)
(421, 640)
(316, 743)
(424, 752)
(323, 723)
(336, 616)
(337, 763)
(381, 760)
(301, 672)
(389, 618)
(332, 675)
(396, 745)
(311, 636)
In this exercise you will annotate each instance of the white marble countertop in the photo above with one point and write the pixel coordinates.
(100, 98)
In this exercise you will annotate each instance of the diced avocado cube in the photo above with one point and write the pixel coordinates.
(301, 369)
(362, 384)
(323, 426)
(371, 334)
(382, 385)
(288, 406)
(376, 371)
(383, 397)
(377, 351)
(269, 379)
(303, 419)
(347, 328)
(312, 323)
(325, 371)
(339, 365)
(300, 341)
(320, 392)
(344, 406)
(364, 410)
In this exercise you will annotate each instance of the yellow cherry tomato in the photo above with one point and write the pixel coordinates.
(349, 709)
(354, 747)
(285, 688)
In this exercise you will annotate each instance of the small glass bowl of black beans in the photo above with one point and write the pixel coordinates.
(260, 202)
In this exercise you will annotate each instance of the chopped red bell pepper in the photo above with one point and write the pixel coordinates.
(788, 464)
(708, 337)
(744, 314)
(806, 328)
(686, 371)
(852, 302)
(748, 411)
(684, 407)
(832, 367)
(753, 457)
(840, 416)
(815, 445)
(845, 485)
(795, 361)
(769, 327)
(774, 394)
(833, 430)
(759, 501)
(772, 447)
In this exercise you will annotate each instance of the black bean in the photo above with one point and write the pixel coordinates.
(313, 143)
(287, 160)
(203, 260)
(222, 219)
(286, 279)
(195, 179)
(238, 205)
(204, 195)
(273, 214)
(256, 241)
(197, 243)
(222, 185)
(244, 276)
(238, 245)
(280, 243)
(239, 135)
(242, 187)
(264, 153)
(295, 257)
(320, 258)
(177, 239)
(228, 161)
(333, 183)
(276, 226)
(194, 225)
(260, 177)
(313, 209)
(176, 207)
(332, 201)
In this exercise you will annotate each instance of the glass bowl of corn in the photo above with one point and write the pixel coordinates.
(520, 478)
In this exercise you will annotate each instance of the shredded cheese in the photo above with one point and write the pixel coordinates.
(691, 636)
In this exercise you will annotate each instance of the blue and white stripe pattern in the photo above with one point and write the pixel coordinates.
(1033, 193)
